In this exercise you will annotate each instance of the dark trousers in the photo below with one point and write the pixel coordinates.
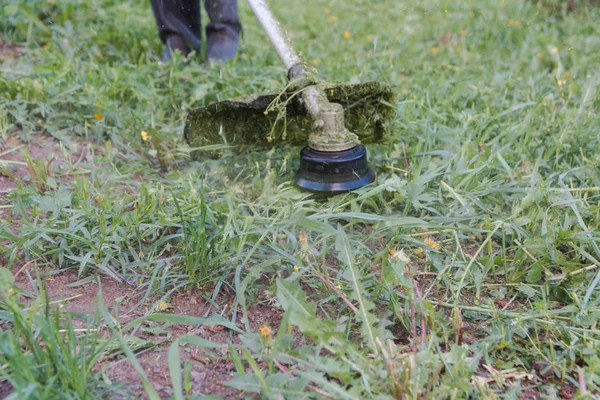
(182, 18)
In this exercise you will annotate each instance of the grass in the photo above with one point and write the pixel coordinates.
(468, 269)
(43, 355)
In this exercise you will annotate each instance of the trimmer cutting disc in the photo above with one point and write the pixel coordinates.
(367, 112)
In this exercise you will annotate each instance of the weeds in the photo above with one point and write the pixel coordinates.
(470, 268)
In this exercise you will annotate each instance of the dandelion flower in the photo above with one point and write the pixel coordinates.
(316, 62)
(347, 35)
(163, 306)
(303, 239)
(98, 116)
(567, 75)
(332, 19)
(431, 243)
(463, 33)
(326, 11)
(144, 135)
(266, 332)
(434, 50)
(296, 269)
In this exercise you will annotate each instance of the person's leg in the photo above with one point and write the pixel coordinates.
(223, 30)
(178, 23)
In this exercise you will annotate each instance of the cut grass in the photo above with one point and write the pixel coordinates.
(489, 185)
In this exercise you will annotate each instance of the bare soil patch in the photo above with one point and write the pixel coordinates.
(209, 371)
(9, 50)
(14, 168)
(14, 163)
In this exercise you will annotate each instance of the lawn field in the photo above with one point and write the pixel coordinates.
(469, 269)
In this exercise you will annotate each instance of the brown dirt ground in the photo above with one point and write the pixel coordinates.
(9, 50)
(13, 165)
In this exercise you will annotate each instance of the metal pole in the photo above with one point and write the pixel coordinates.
(276, 34)
(329, 132)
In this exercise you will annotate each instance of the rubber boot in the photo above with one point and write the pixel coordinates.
(223, 30)
(179, 25)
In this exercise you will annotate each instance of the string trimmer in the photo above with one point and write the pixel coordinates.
(329, 117)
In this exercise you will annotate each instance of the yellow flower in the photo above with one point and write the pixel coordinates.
(567, 75)
(554, 50)
(473, 237)
(414, 97)
(434, 50)
(332, 19)
(347, 35)
(463, 33)
(144, 135)
(326, 11)
(560, 82)
(163, 306)
(431, 243)
(338, 286)
(511, 22)
(419, 253)
(98, 116)
(296, 269)
(266, 332)
(316, 62)
(303, 239)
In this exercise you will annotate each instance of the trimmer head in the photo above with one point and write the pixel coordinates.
(333, 120)
(367, 112)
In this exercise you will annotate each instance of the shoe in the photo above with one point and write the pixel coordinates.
(174, 42)
(221, 45)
